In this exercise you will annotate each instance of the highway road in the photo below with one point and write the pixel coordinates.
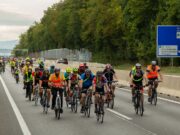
(20, 116)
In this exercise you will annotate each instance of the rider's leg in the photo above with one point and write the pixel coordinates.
(83, 95)
(54, 93)
(96, 101)
(61, 95)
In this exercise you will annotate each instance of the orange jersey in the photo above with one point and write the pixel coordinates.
(57, 81)
(151, 74)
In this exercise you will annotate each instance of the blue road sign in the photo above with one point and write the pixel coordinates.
(168, 41)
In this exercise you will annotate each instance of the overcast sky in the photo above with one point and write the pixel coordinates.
(17, 15)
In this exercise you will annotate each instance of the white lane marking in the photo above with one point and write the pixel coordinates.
(119, 114)
(129, 120)
(164, 99)
(20, 119)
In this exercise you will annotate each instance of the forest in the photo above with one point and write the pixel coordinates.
(115, 31)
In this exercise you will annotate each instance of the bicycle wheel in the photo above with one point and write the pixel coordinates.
(72, 104)
(89, 107)
(36, 97)
(136, 105)
(59, 109)
(76, 104)
(102, 113)
(141, 107)
(155, 98)
(98, 113)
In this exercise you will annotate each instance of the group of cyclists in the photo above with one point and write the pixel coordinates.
(81, 79)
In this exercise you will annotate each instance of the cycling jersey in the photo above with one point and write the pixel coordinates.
(57, 81)
(109, 74)
(153, 74)
(66, 76)
(138, 77)
(28, 78)
(74, 79)
(87, 81)
(100, 83)
(37, 77)
(45, 80)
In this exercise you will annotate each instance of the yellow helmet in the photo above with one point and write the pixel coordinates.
(68, 70)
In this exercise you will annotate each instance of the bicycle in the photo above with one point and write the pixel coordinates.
(58, 108)
(110, 95)
(74, 99)
(45, 100)
(36, 94)
(153, 98)
(88, 101)
(138, 102)
(100, 109)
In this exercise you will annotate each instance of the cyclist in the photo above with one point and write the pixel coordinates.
(81, 69)
(16, 72)
(99, 83)
(36, 78)
(137, 80)
(110, 76)
(41, 65)
(85, 66)
(66, 77)
(74, 81)
(25, 70)
(44, 84)
(56, 81)
(51, 70)
(12, 63)
(152, 73)
(28, 78)
(87, 79)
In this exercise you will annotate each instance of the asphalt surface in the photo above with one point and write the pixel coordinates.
(162, 119)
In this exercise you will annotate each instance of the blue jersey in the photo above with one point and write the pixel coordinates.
(87, 82)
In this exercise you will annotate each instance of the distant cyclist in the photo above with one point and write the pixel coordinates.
(137, 78)
(87, 79)
(44, 85)
(110, 76)
(56, 81)
(99, 83)
(81, 69)
(52, 68)
(153, 72)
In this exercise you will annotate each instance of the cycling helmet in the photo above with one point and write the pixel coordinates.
(81, 65)
(88, 71)
(57, 70)
(138, 65)
(28, 63)
(75, 70)
(99, 73)
(153, 63)
(68, 70)
(108, 66)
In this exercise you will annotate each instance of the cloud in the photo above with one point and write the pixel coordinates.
(17, 15)
(9, 18)
(11, 32)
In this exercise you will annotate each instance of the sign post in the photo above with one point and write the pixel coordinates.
(168, 41)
